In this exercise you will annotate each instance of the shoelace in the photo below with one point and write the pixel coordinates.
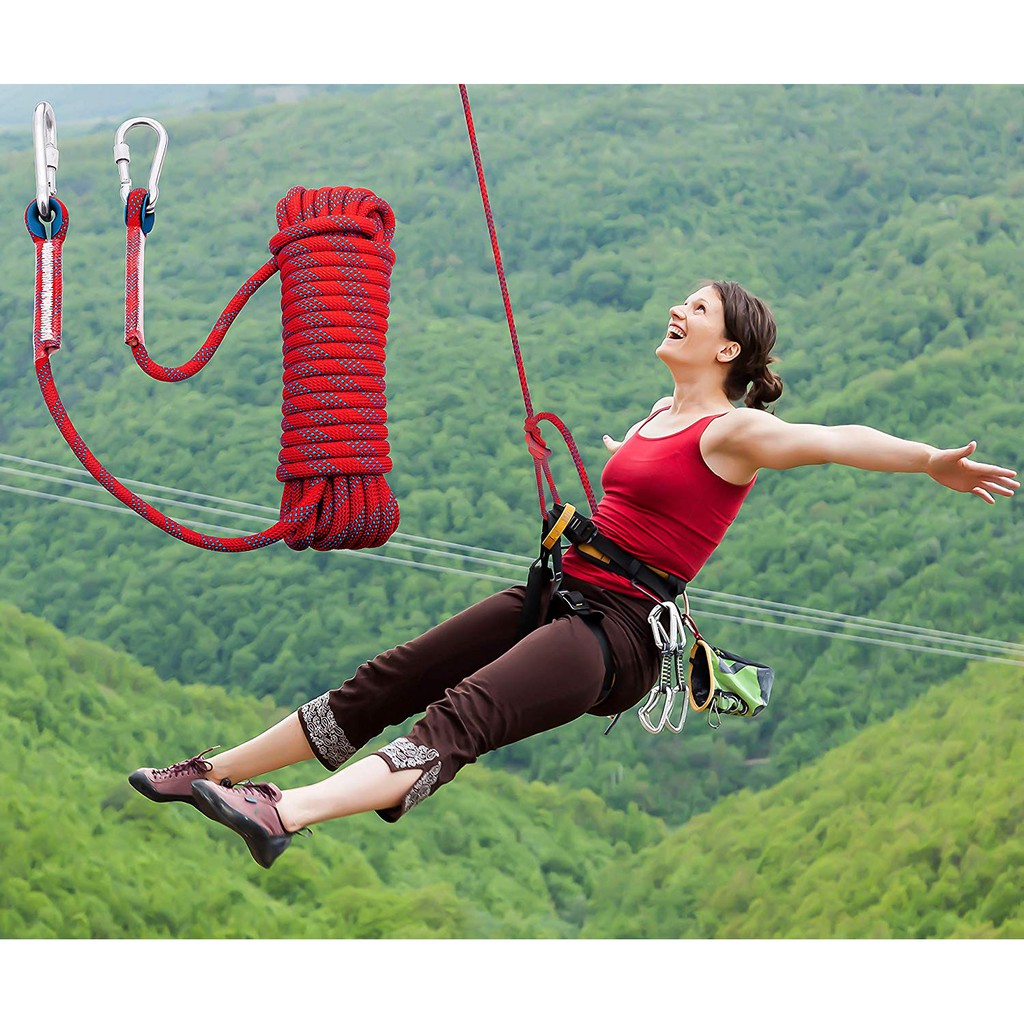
(264, 789)
(197, 763)
(258, 788)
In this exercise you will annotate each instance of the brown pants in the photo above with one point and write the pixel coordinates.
(483, 687)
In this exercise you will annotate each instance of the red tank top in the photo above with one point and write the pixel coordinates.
(663, 504)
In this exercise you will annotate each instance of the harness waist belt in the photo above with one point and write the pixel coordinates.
(594, 547)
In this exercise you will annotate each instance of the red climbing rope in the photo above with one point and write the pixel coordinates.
(535, 442)
(333, 252)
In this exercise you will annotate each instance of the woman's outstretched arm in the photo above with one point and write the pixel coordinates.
(759, 440)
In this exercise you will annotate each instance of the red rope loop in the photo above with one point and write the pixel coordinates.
(135, 247)
(542, 454)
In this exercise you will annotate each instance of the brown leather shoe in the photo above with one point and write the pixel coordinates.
(174, 782)
(248, 809)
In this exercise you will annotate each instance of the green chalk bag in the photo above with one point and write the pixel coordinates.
(722, 683)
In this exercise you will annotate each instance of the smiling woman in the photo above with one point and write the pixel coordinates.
(672, 488)
(724, 310)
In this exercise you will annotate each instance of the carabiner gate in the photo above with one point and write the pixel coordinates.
(122, 158)
(44, 139)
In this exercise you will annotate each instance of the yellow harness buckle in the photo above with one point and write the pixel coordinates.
(558, 529)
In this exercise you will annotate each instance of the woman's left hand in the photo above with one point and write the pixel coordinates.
(951, 468)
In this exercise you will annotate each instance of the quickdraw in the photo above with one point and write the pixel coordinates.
(669, 636)
(333, 251)
(706, 679)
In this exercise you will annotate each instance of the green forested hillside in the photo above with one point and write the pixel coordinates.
(911, 830)
(882, 224)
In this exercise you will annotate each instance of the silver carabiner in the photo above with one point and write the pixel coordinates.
(644, 714)
(44, 139)
(674, 638)
(671, 643)
(122, 158)
(658, 631)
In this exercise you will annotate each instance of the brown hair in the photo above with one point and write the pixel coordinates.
(749, 322)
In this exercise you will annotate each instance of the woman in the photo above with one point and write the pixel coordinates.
(480, 685)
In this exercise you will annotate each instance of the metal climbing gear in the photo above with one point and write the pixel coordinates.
(706, 677)
(44, 139)
(669, 635)
(123, 158)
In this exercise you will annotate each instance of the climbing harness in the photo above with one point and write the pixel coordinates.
(565, 522)
(744, 686)
(333, 252)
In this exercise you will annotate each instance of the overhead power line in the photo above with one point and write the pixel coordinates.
(837, 625)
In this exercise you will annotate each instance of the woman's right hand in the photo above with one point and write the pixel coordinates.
(951, 468)
(611, 444)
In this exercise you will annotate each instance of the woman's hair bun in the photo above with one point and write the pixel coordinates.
(750, 322)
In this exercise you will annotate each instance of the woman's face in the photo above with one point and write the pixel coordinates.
(696, 331)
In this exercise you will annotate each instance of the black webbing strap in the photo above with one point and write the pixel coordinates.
(545, 570)
(579, 605)
(597, 629)
(545, 578)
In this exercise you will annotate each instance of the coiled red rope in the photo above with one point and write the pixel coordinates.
(539, 451)
(333, 251)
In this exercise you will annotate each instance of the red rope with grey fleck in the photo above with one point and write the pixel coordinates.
(535, 442)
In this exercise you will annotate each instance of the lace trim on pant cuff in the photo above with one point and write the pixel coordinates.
(401, 754)
(326, 738)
